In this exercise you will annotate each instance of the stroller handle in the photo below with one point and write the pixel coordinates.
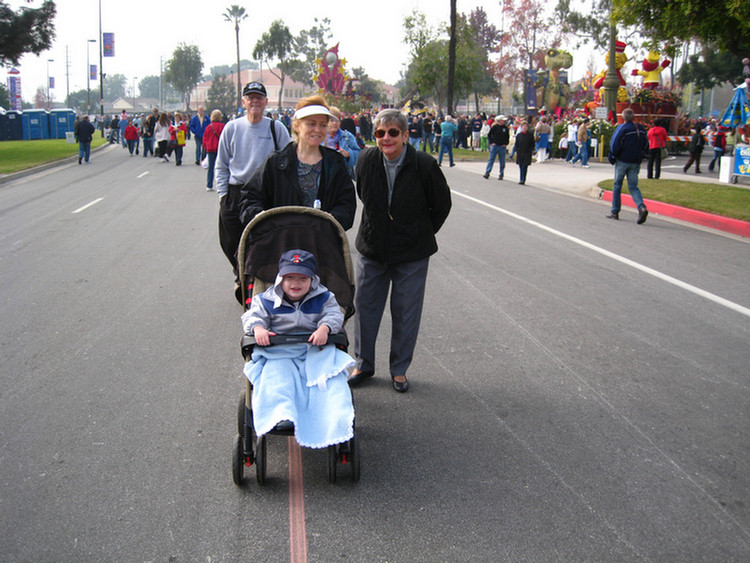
(340, 340)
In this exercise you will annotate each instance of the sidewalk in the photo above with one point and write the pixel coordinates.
(583, 182)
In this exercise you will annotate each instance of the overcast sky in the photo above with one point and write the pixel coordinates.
(145, 30)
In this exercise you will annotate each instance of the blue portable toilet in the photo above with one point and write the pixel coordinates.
(14, 125)
(35, 123)
(3, 127)
(61, 120)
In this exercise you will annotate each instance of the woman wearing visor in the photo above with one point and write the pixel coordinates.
(304, 172)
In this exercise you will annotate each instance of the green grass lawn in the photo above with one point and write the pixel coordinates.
(19, 155)
(721, 199)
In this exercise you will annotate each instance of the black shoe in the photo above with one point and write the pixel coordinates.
(401, 386)
(642, 214)
(522, 183)
(485, 176)
(499, 177)
(698, 172)
(79, 161)
(356, 378)
(614, 215)
(452, 164)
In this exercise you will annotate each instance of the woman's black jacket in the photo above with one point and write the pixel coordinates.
(405, 230)
(275, 183)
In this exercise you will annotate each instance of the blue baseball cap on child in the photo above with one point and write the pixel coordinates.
(298, 262)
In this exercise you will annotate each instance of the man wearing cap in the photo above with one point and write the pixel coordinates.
(498, 137)
(243, 146)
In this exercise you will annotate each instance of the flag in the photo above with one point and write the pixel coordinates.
(109, 44)
(92, 72)
(52, 82)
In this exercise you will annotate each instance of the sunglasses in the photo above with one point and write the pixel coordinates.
(380, 133)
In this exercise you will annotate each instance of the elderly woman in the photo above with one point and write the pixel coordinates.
(342, 141)
(405, 201)
(304, 172)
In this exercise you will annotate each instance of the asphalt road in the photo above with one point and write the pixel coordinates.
(580, 390)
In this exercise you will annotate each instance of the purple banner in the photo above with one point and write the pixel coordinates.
(52, 82)
(109, 44)
(14, 87)
(92, 72)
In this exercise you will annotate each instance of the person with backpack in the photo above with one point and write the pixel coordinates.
(244, 145)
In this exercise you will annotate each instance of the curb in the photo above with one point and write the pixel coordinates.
(726, 224)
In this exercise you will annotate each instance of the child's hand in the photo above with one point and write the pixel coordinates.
(262, 336)
(320, 336)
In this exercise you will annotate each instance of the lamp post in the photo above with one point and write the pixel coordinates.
(133, 92)
(88, 76)
(611, 82)
(48, 62)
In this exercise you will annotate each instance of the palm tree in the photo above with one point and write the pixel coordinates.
(236, 14)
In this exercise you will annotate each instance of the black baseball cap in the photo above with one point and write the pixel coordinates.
(254, 88)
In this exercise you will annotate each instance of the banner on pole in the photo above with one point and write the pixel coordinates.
(92, 72)
(52, 82)
(109, 44)
(14, 87)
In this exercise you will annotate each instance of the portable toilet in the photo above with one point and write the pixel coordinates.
(3, 127)
(35, 124)
(14, 125)
(61, 121)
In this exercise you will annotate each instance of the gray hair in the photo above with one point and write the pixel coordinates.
(391, 116)
(627, 114)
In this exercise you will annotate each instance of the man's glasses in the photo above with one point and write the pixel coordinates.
(380, 133)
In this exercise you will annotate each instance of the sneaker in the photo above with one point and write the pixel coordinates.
(585, 166)
(485, 176)
(614, 215)
(642, 214)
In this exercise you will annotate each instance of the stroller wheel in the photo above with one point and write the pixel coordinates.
(241, 415)
(333, 459)
(354, 458)
(238, 462)
(260, 460)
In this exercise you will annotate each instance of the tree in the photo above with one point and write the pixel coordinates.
(78, 101)
(309, 46)
(4, 97)
(721, 23)
(114, 86)
(236, 14)
(221, 95)
(487, 38)
(27, 31)
(452, 56)
(184, 70)
(531, 34)
(590, 25)
(276, 43)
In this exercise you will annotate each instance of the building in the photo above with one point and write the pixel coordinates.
(293, 91)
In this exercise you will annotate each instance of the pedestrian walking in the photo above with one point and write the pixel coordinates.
(498, 138)
(626, 148)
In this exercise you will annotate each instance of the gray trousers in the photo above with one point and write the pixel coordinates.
(407, 285)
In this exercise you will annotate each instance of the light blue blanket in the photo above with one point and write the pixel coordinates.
(304, 384)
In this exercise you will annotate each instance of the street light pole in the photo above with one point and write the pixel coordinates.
(48, 62)
(101, 71)
(611, 82)
(88, 76)
(134, 79)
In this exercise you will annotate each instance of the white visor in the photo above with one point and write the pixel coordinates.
(312, 110)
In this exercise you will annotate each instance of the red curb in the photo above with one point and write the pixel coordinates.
(726, 224)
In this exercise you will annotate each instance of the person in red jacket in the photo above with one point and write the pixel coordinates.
(178, 134)
(211, 135)
(657, 140)
(719, 144)
(131, 137)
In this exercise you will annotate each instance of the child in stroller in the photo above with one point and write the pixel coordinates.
(322, 255)
(299, 386)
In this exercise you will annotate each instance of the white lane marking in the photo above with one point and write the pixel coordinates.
(142, 174)
(88, 205)
(645, 269)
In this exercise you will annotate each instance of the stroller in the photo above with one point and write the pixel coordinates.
(264, 239)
